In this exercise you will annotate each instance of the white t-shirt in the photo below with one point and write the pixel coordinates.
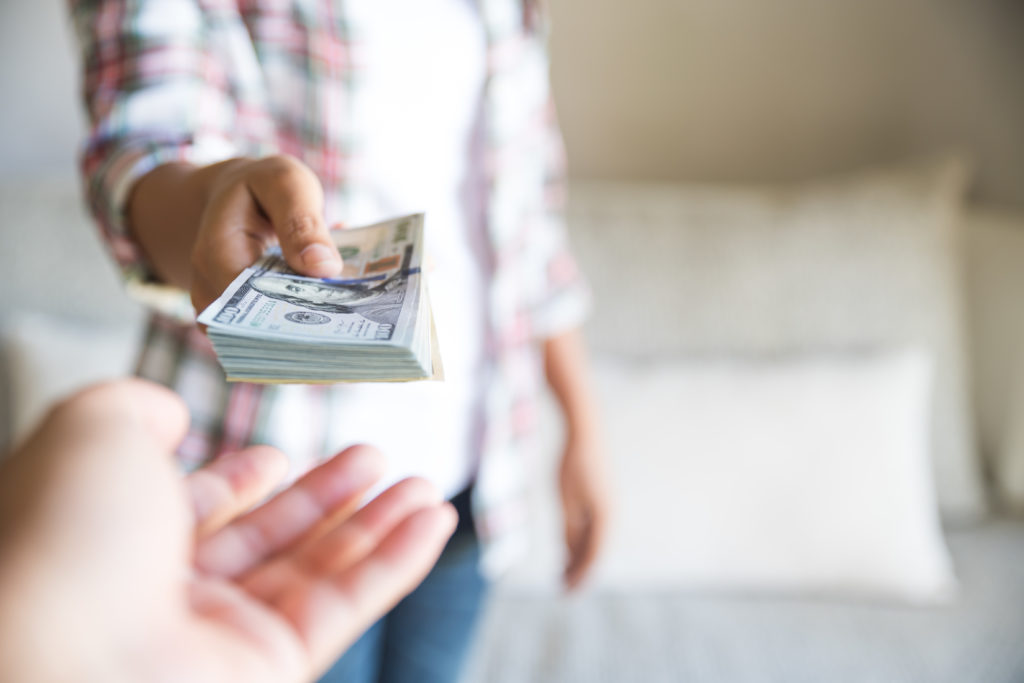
(416, 131)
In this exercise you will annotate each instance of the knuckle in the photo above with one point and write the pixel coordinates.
(234, 170)
(300, 227)
(283, 168)
(280, 166)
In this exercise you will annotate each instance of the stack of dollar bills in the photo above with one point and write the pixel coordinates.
(371, 324)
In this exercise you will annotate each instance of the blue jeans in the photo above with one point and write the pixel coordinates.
(426, 637)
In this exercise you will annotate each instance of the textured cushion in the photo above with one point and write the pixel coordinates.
(806, 474)
(866, 261)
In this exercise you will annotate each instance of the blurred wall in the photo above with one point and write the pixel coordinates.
(686, 89)
(751, 90)
(41, 124)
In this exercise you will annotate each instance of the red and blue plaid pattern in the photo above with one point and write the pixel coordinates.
(206, 80)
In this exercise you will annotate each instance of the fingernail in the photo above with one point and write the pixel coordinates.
(322, 259)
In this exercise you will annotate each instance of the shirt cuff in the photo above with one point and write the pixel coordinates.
(566, 306)
(126, 169)
(109, 197)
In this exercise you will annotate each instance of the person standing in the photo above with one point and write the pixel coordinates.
(220, 127)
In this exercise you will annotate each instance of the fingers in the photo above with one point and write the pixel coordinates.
(291, 197)
(585, 515)
(232, 237)
(251, 205)
(333, 488)
(582, 542)
(585, 507)
(347, 542)
(332, 604)
(232, 484)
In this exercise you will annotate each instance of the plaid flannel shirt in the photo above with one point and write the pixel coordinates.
(206, 80)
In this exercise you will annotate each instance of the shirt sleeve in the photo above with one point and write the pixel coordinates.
(563, 299)
(160, 80)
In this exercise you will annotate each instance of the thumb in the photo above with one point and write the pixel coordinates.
(97, 460)
(103, 411)
(292, 198)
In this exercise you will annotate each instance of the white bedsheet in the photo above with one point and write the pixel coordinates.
(702, 638)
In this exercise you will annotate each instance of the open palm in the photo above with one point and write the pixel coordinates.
(178, 581)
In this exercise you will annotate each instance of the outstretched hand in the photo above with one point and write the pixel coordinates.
(200, 226)
(251, 204)
(133, 574)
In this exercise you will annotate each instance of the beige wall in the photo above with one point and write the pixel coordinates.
(755, 90)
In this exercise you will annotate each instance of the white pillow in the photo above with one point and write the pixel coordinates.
(868, 260)
(49, 357)
(804, 474)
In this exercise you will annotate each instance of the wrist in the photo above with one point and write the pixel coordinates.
(165, 210)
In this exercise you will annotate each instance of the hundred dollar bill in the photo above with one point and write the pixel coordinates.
(372, 323)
